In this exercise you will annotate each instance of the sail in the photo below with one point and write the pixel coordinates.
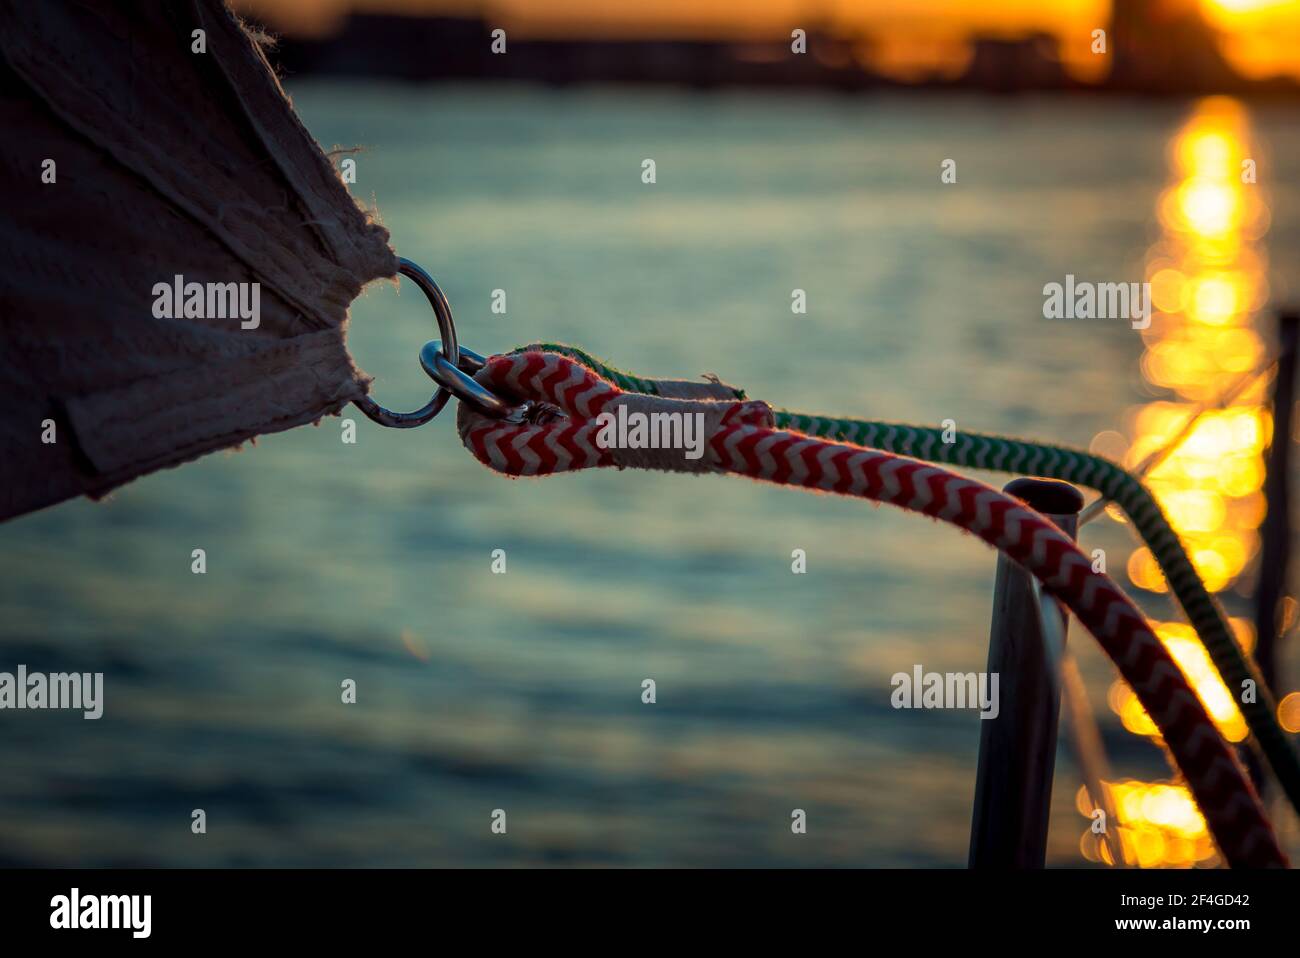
(154, 173)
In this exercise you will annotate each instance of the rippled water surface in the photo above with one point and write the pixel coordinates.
(522, 692)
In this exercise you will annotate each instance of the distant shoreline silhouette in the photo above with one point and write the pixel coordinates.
(1155, 48)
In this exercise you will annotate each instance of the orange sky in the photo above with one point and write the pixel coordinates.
(1261, 37)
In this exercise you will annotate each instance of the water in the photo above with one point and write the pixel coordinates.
(522, 692)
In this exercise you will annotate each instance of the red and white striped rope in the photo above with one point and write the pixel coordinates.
(741, 440)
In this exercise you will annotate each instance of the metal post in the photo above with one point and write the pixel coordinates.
(1013, 786)
(1275, 549)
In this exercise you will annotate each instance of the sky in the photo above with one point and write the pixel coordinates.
(1260, 37)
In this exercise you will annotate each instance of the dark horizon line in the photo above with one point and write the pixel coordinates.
(440, 49)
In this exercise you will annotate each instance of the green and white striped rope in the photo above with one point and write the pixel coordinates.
(1002, 454)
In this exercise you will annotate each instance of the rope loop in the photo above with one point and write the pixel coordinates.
(593, 420)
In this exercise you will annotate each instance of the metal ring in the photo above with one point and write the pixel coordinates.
(470, 361)
(463, 386)
(447, 328)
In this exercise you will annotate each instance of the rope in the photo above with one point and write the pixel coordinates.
(1000, 454)
(742, 440)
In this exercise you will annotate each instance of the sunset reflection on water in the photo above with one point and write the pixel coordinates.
(1208, 287)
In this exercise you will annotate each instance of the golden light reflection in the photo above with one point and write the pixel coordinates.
(1159, 826)
(1186, 649)
(1288, 712)
(1243, 6)
(1207, 275)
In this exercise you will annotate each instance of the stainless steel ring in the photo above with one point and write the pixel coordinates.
(447, 329)
(463, 386)
(470, 361)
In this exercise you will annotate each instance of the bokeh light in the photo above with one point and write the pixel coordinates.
(1207, 275)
